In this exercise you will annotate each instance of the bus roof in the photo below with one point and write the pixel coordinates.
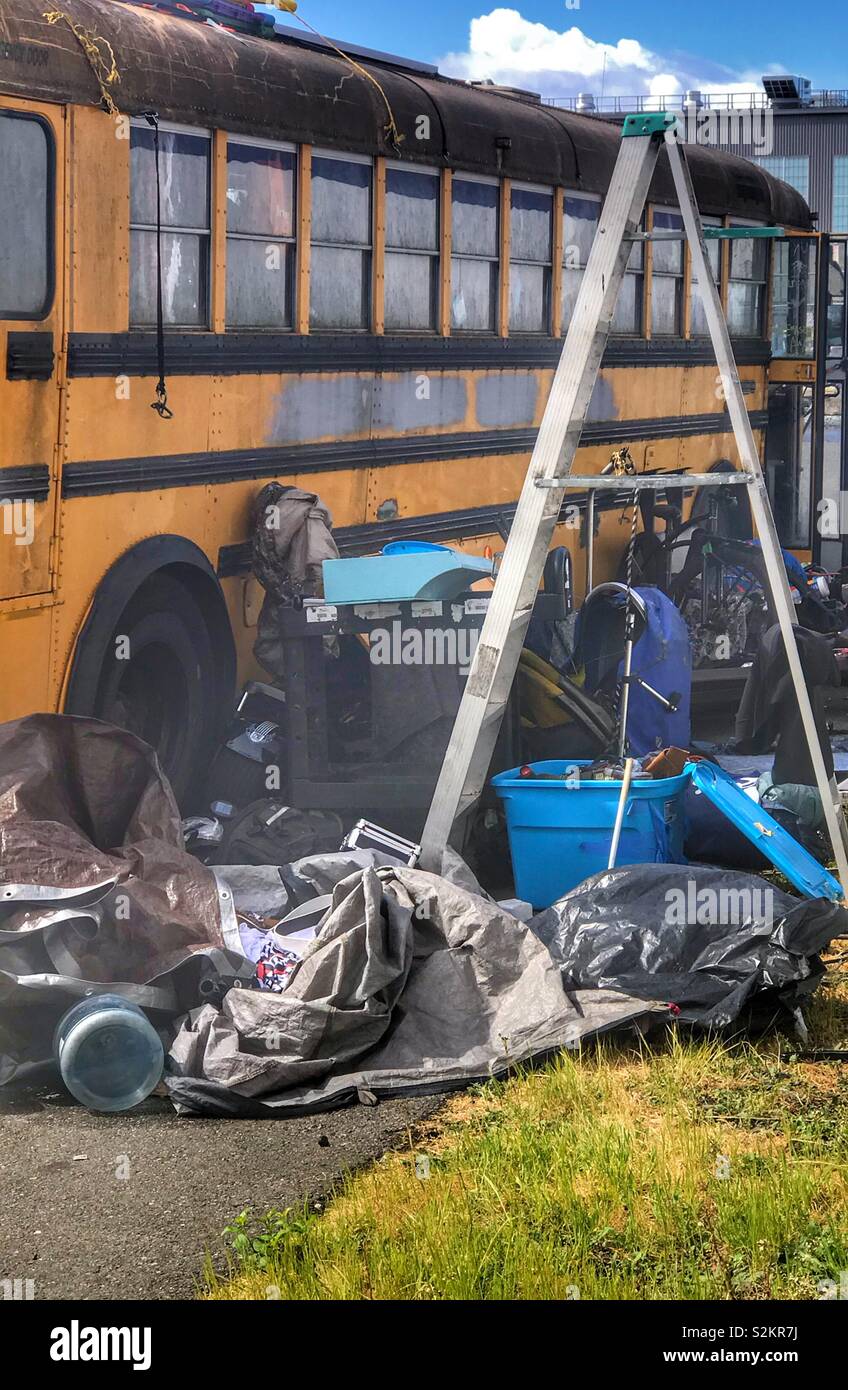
(203, 75)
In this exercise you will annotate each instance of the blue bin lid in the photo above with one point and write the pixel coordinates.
(467, 562)
(787, 855)
(411, 547)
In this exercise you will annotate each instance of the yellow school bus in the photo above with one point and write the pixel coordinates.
(365, 271)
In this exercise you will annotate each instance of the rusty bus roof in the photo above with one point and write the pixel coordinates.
(198, 74)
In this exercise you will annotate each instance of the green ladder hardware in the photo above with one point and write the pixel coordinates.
(741, 233)
(549, 474)
(650, 123)
(713, 234)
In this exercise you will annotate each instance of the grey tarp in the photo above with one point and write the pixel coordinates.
(414, 984)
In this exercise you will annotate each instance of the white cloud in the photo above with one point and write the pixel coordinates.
(507, 48)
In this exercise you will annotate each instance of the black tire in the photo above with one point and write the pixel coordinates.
(158, 679)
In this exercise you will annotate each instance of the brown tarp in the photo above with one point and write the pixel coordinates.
(87, 816)
(97, 893)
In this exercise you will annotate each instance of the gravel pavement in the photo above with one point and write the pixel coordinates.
(125, 1206)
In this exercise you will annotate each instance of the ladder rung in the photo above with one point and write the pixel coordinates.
(629, 482)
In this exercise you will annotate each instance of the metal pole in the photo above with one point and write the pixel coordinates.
(625, 688)
(590, 542)
(619, 815)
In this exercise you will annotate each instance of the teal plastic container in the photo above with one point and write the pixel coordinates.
(109, 1054)
(560, 831)
(403, 570)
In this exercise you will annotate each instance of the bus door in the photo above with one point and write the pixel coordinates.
(832, 531)
(793, 430)
(31, 158)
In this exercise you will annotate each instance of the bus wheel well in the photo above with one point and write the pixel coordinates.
(156, 655)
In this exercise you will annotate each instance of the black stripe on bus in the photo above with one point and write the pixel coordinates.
(237, 353)
(196, 470)
(235, 560)
(29, 356)
(29, 483)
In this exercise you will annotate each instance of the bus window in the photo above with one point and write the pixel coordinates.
(25, 218)
(667, 276)
(261, 233)
(412, 249)
(531, 226)
(580, 222)
(746, 295)
(789, 468)
(697, 318)
(793, 297)
(475, 252)
(627, 316)
(340, 288)
(184, 197)
(725, 510)
(836, 300)
(828, 519)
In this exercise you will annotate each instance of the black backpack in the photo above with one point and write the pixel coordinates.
(269, 832)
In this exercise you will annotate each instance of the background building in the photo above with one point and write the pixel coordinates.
(809, 148)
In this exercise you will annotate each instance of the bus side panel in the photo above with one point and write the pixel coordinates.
(30, 389)
(100, 215)
(25, 659)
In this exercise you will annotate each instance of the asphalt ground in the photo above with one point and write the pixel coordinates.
(127, 1206)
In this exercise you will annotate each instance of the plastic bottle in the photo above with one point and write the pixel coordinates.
(109, 1054)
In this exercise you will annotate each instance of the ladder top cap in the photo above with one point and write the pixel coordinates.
(648, 123)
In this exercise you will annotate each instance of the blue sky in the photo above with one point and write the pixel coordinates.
(559, 49)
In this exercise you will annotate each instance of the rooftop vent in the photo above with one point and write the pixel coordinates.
(784, 90)
(487, 85)
(585, 102)
(693, 98)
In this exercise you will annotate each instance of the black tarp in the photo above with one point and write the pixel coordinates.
(710, 941)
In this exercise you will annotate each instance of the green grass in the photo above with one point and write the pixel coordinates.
(694, 1170)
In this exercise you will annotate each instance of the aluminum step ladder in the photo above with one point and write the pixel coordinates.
(495, 660)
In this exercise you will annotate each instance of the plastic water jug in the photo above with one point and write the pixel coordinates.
(109, 1054)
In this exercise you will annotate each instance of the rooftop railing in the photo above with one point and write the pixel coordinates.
(713, 101)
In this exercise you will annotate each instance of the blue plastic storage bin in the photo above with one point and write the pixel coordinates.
(560, 832)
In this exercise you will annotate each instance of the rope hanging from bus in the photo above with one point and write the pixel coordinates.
(196, 9)
(160, 405)
(392, 133)
(94, 47)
